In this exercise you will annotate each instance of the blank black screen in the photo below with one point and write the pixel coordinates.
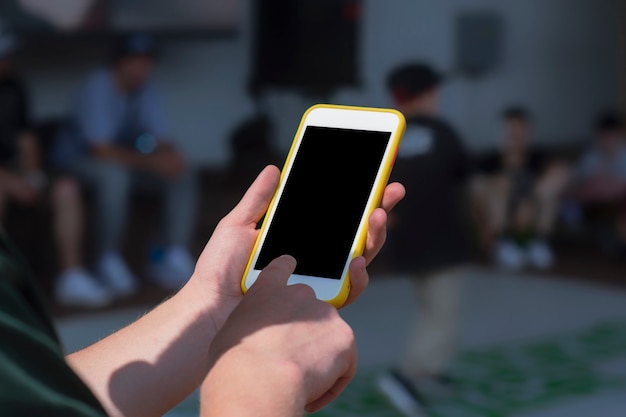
(320, 209)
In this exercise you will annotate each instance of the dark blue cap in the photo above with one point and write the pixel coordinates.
(135, 44)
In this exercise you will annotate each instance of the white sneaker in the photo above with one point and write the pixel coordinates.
(174, 269)
(509, 255)
(401, 393)
(116, 275)
(77, 288)
(540, 255)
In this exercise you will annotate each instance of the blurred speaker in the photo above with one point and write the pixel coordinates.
(305, 45)
(479, 41)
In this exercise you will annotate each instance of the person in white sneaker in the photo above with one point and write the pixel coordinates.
(116, 141)
(518, 194)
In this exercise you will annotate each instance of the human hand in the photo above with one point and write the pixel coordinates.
(604, 186)
(280, 351)
(19, 188)
(167, 162)
(218, 273)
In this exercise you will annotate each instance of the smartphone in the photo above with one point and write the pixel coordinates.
(333, 178)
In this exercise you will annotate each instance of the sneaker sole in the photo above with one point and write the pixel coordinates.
(397, 395)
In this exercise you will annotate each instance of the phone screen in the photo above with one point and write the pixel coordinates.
(318, 214)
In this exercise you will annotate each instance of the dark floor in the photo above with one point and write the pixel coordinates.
(577, 255)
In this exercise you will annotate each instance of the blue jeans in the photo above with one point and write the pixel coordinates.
(112, 183)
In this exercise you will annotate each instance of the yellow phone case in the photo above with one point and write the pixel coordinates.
(387, 165)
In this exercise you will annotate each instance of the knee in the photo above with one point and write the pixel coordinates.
(65, 189)
(111, 178)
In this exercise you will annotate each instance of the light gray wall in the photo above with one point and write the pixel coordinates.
(560, 59)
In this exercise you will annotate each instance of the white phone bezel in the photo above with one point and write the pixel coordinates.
(357, 119)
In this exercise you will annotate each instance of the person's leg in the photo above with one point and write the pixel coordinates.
(74, 286)
(181, 201)
(548, 193)
(432, 342)
(110, 185)
(490, 198)
(68, 220)
(173, 267)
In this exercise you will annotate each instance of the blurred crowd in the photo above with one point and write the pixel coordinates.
(507, 203)
(115, 139)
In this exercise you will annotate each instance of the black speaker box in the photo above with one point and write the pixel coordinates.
(306, 45)
(479, 42)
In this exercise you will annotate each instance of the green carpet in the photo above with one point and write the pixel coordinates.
(503, 380)
(513, 378)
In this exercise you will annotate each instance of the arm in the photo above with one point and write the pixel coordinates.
(165, 160)
(153, 364)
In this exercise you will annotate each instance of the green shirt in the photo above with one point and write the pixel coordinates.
(35, 380)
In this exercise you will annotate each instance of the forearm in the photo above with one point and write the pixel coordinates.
(127, 157)
(237, 386)
(150, 366)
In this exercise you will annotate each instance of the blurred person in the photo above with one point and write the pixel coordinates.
(275, 351)
(518, 195)
(116, 139)
(23, 182)
(598, 185)
(429, 236)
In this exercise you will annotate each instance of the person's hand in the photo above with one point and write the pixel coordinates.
(19, 188)
(603, 186)
(167, 162)
(280, 351)
(220, 268)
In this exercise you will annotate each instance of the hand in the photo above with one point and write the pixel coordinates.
(282, 347)
(218, 273)
(18, 188)
(167, 162)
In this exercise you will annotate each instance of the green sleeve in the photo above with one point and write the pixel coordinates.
(35, 380)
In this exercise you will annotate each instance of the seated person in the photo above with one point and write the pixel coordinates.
(518, 194)
(599, 183)
(22, 182)
(116, 139)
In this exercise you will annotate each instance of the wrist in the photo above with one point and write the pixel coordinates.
(209, 306)
(256, 386)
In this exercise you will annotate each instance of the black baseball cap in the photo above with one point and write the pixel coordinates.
(135, 44)
(516, 112)
(609, 121)
(410, 80)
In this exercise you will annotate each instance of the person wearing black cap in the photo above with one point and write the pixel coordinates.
(518, 193)
(116, 138)
(598, 187)
(429, 236)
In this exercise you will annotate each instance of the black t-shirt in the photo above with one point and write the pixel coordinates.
(14, 115)
(432, 227)
(492, 161)
(35, 380)
(523, 178)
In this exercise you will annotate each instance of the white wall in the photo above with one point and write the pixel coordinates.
(560, 59)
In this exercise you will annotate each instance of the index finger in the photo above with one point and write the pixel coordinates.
(276, 272)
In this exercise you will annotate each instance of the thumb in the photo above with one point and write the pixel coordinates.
(277, 272)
